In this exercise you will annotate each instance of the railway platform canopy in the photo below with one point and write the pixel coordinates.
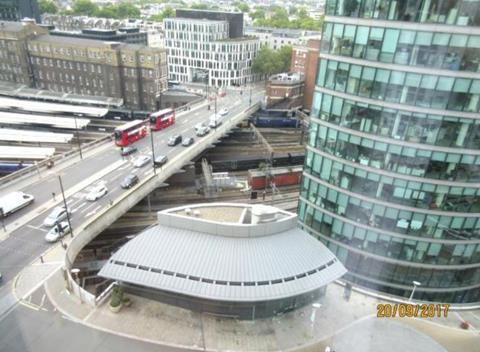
(14, 119)
(51, 108)
(15, 90)
(240, 260)
(25, 153)
(13, 135)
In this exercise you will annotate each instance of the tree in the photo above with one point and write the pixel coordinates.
(242, 7)
(85, 8)
(167, 13)
(127, 10)
(199, 6)
(258, 14)
(285, 57)
(47, 6)
(268, 61)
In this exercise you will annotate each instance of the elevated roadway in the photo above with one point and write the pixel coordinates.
(22, 239)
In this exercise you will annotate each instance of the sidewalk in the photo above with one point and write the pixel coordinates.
(344, 325)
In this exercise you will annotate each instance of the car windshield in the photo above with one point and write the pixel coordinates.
(55, 213)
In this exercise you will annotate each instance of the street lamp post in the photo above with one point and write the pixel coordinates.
(250, 99)
(415, 284)
(216, 93)
(78, 137)
(65, 204)
(153, 152)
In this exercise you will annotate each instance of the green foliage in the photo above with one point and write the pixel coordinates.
(119, 11)
(117, 296)
(258, 14)
(85, 8)
(167, 13)
(279, 19)
(47, 6)
(242, 7)
(269, 61)
(199, 6)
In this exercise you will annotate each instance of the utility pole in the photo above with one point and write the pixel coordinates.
(78, 137)
(153, 152)
(216, 93)
(65, 204)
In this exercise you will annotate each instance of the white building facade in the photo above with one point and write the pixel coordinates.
(201, 48)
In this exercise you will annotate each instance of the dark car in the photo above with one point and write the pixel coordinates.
(160, 160)
(188, 141)
(128, 150)
(175, 140)
(129, 181)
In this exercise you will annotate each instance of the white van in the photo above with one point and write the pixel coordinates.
(14, 201)
(216, 121)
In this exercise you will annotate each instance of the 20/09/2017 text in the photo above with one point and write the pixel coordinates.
(403, 310)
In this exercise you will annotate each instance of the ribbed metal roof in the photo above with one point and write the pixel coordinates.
(225, 268)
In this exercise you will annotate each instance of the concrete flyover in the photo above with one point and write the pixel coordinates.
(91, 228)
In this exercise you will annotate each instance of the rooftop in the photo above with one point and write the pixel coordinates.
(73, 41)
(291, 77)
(226, 251)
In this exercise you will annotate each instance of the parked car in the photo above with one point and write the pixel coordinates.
(141, 161)
(160, 160)
(129, 181)
(202, 131)
(57, 232)
(128, 150)
(97, 192)
(223, 112)
(175, 140)
(56, 215)
(188, 141)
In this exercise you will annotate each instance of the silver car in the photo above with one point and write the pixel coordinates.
(58, 214)
(57, 232)
(141, 161)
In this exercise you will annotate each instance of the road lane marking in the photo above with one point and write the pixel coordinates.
(80, 206)
(90, 213)
(37, 228)
(92, 204)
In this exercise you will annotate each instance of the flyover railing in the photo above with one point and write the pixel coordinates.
(38, 167)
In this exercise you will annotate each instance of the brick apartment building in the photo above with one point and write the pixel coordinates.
(305, 60)
(135, 73)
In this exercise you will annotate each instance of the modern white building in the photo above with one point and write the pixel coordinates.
(209, 44)
(275, 38)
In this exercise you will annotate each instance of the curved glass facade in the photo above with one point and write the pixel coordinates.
(450, 12)
(392, 170)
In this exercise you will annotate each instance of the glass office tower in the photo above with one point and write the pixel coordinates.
(392, 173)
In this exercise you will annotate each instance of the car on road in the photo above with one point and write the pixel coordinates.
(160, 160)
(97, 192)
(14, 201)
(57, 232)
(174, 140)
(141, 161)
(56, 215)
(202, 131)
(188, 141)
(223, 112)
(128, 150)
(129, 181)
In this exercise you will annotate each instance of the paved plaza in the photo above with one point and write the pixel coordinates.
(344, 325)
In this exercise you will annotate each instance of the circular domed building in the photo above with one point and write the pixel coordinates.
(237, 260)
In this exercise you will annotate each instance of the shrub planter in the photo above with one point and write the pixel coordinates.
(116, 300)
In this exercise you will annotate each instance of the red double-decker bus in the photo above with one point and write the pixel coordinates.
(162, 119)
(130, 132)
